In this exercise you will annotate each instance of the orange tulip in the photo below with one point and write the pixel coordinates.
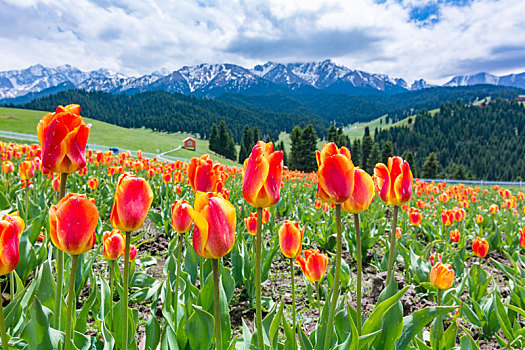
(522, 237)
(114, 243)
(251, 224)
(442, 276)
(63, 136)
(92, 183)
(363, 193)
(10, 228)
(399, 232)
(180, 216)
(26, 170)
(479, 219)
(455, 235)
(56, 184)
(16, 220)
(262, 176)
(73, 221)
(8, 167)
(493, 209)
(459, 214)
(447, 216)
(132, 252)
(214, 232)
(313, 264)
(335, 174)
(166, 177)
(480, 247)
(133, 198)
(415, 217)
(395, 181)
(266, 215)
(204, 175)
(290, 239)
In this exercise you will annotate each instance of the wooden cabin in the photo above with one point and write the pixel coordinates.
(189, 143)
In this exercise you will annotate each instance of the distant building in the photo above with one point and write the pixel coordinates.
(521, 98)
(189, 143)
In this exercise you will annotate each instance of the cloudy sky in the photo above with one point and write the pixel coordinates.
(411, 39)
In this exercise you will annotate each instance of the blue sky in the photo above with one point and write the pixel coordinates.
(411, 39)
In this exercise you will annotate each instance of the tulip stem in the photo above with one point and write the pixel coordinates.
(125, 293)
(359, 271)
(179, 252)
(293, 302)
(216, 302)
(258, 253)
(11, 285)
(26, 213)
(335, 287)
(202, 271)
(70, 298)
(392, 245)
(318, 299)
(111, 278)
(3, 334)
(60, 261)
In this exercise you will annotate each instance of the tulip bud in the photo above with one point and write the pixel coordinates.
(479, 219)
(56, 184)
(16, 220)
(133, 198)
(63, 136)
(203, 174)
(415, 217)
(480, 247)
(92, 183)
(313, 265)
(394, 181)
(363, 193)
(214, 231)
(262, 176)
(132, 252)
(493, 209)
(251, 224)
(10, 228)
(454, 235)
(447, 216)
(180, 216)
(335, 174)
(26, 170)
(266, 216)
(72, 222)
(442, 276)
(290, 239)
(399, 232)
(114, 243)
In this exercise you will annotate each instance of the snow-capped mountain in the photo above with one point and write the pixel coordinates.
(215, 79)
(515, 80)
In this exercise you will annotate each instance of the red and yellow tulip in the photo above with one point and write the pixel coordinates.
(133, 198)
(363, 193)
(335, 174)
(480, 247)
(262, 176)
(291, 239)
(72, 224)
(63, 136)
(442, 276)
(394, 181)
(313, 264)
(113, 242)
(180, 216)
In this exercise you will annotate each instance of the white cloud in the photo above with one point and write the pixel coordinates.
(137, 37)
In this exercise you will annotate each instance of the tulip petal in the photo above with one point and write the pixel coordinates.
(336, 178)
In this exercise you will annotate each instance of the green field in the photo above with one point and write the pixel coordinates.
(25, 121)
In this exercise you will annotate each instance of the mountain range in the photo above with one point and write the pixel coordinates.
(212, 80)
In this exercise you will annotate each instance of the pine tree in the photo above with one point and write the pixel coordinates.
(366, 148)
(373, 158)
(229, 149)
(388, 151)
(268, 140)
(332, 134)
(356, 152)
(430, 167)
(256, 136)
(214, 138)
(309, 146)
(280, 147)
(295, 152)
(246, 144)
(223, 138)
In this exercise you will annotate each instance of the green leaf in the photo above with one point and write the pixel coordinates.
(37, 333)
(199, 328)
(152, 333)
(503, 318)
(467, 343)
(414, 323)
(374, 322)
(4, 201)
(274, 326)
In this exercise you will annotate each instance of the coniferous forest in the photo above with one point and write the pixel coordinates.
(463, 141)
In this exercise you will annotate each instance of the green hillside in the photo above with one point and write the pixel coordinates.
(25, 121)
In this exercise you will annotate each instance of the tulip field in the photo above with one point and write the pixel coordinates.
(118, 251)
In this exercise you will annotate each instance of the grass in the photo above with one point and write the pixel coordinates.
(25, 121)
